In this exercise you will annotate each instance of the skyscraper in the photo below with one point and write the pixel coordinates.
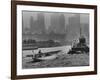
(37, 26)
(74, 27)
(41, 22)
(57, 23)
(61, 27)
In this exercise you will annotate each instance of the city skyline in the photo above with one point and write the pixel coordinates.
(51, 18)
(57, 26)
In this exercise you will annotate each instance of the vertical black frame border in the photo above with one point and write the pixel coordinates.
(14, 4)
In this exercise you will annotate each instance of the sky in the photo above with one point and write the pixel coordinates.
(56, 23)
(84, 18)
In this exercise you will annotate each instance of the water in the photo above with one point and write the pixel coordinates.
(64, 49)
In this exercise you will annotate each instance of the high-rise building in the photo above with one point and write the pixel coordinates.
(61, 27)
(41, 22)
(37, 26)
(33, 25)
(57, 23)
(74, 27)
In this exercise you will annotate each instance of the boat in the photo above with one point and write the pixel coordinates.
(81, 46)
(51, 57)
(44, 56)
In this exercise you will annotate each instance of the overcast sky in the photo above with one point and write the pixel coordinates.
(84, 18)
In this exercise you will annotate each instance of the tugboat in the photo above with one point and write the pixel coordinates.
(80, 47)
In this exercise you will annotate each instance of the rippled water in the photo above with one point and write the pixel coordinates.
(64, 49)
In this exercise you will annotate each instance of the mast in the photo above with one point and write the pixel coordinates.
(80, 26)
(80, 31)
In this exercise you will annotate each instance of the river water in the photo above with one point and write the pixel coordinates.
(64, 49)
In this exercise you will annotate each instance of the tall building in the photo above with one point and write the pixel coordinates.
(57, 23)
(61, 27)
(54, 23)
(37, 26)
(74, 27)
(41, 22)
(32, 24)
(85, 31)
